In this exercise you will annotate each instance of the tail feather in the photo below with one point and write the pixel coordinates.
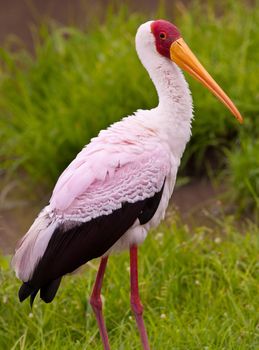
(48, 292)
(28, 254)
(33, 295)
(33, 245)
(26, 290)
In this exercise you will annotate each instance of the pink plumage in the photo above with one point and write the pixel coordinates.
(119, 185)
(121, 164)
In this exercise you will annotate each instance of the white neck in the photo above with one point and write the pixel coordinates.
(172, 89)
(173, 114)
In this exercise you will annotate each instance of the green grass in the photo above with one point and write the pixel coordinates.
(79, 81)
(199, 288)
(244, 175)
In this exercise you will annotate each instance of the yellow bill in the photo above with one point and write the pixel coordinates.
(182, 55)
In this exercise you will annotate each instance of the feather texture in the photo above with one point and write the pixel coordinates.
(126, 162)
(70, 248)
(130, 182)
(115, 190)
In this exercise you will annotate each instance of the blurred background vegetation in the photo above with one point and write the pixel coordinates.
(60, 88)
(69, 70)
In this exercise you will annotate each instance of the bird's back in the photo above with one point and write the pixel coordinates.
(115, 180)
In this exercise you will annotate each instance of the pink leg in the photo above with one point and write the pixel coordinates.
(96, 303)
(135, 302)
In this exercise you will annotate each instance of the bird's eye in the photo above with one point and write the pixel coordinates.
(162, 35)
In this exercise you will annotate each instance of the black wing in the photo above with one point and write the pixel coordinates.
(70, 248)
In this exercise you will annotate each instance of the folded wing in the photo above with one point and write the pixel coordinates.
(96, 200)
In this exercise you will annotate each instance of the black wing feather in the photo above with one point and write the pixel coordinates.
(70, 248)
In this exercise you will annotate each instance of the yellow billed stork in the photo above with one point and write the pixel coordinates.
(119, 185)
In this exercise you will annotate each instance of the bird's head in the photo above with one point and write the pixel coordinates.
(163, 38)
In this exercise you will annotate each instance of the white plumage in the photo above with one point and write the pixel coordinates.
(145, 147)
(119, 185)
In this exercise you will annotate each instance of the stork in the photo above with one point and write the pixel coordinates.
(119, 185)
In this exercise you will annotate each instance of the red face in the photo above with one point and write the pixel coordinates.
(165, 34)
(169, 43)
